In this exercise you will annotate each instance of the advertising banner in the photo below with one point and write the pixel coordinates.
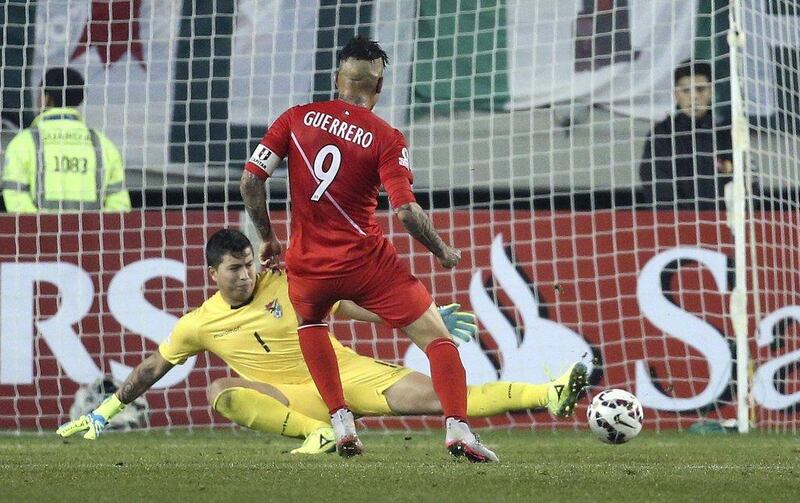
(640, 297)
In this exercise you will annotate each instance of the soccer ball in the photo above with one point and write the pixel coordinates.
(615, 416)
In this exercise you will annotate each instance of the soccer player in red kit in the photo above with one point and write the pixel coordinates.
(339, 155)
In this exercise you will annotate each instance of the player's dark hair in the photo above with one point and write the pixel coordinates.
(226, 241)
(689, 68)
(64, 86)
(362, 48)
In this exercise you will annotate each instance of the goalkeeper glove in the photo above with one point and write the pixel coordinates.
(460, 324)
(95, 421)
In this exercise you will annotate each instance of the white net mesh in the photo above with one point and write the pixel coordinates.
(771, 74)
(527, 121)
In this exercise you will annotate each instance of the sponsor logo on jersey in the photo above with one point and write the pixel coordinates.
(226, 332)
(275, 309)
(403, 159)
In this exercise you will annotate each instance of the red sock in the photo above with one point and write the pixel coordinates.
(449, 378)
(322, 364)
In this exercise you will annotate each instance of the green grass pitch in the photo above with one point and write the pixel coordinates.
(535, 466)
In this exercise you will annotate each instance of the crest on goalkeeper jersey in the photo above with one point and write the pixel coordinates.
(275, 309)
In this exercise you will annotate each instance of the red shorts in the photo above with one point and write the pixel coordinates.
(388, 290)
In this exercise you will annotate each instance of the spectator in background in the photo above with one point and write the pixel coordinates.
(59, 163)
(687, 158)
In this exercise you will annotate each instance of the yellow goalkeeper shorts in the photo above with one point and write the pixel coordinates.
(364, 381)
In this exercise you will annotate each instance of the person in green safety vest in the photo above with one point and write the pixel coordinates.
(59, 164)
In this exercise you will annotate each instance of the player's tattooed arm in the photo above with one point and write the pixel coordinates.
(255, 201)
(421, 228)
(143, 377)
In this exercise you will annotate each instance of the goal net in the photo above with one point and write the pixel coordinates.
(546, 139)
(770, 74)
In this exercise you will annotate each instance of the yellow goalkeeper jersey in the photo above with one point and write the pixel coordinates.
(258, 340)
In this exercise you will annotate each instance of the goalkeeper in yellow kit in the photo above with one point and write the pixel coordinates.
(251, 325)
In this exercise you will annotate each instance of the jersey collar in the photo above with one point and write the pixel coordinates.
(248, 301)
(57, 113)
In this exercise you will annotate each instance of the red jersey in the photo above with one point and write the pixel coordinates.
(339, 156)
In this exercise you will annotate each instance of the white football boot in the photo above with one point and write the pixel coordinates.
(344, 430)
(461, 441)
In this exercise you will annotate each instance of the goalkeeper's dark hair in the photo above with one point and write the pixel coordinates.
(226, 241)
(361, 47)
(64, 85)
(690, 68)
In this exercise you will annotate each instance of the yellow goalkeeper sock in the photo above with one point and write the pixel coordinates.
(497, 397)
(260, 412)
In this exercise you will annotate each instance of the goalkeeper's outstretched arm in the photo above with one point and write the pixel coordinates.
(349, 310)
(460, 324)
(143, 377)
(140, 380)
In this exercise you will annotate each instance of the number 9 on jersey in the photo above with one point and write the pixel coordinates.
(326, 177)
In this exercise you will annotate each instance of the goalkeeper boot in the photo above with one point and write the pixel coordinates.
(344, 430)
(564, 392)
(320, 441)
(460, 441)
